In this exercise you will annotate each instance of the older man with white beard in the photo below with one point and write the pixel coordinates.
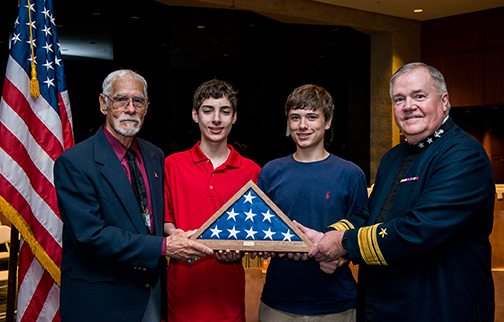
(110, 197)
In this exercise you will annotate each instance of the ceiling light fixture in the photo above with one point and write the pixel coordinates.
(419, 10)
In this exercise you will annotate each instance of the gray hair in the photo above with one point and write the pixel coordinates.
(112, 77)
(437, 79)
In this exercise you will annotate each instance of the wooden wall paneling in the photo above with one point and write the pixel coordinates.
(464, 76)
(497, 131)
(494, 28)
(253, 291)
(496, 135)
(497, 235)
(497, 239)
(498, 169)
(452, 35)
(494, 77)
(476, 122)
(498, 276)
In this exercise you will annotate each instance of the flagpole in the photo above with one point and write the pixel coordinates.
(12, 281)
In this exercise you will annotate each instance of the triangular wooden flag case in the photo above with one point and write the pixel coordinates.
(250, 221)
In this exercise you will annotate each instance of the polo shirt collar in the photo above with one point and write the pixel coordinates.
(233, 160)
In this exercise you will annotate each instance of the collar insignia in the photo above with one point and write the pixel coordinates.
(425, 143)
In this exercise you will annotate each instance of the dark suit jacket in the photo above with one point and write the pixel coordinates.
(109, 262)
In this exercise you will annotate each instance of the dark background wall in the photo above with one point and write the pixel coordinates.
(469, 50)
(262, 58)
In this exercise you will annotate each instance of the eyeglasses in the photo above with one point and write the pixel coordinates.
(120, 103)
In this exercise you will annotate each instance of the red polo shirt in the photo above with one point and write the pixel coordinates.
(204, 290)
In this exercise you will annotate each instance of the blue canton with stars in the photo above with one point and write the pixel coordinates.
(249, 218)
(46, 48)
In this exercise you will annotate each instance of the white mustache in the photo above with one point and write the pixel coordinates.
(129, 118)
(131, 129)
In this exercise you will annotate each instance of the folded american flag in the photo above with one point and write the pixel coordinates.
(250, 221)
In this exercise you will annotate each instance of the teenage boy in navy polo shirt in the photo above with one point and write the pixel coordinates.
(314, 188)
(197, 183)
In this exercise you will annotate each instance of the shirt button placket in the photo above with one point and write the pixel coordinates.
(210, 185)
(210, 180)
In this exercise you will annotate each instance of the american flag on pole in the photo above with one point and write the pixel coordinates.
(250, 221)
(35, 127)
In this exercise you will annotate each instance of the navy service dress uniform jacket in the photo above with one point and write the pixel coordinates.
(429, 260)
(109, 261)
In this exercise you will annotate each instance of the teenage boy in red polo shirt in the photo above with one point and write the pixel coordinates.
(197, 183)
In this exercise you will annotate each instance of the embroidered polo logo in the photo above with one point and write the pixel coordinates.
(327, 195)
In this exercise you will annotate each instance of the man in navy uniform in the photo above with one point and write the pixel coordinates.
(422, 243)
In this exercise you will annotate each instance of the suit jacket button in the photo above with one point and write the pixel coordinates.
(147, 286)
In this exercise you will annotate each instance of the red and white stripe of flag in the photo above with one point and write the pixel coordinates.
(33, 135)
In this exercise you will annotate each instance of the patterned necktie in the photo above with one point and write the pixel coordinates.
(139, 188)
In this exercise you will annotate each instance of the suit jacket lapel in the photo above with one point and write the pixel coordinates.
(116, 177)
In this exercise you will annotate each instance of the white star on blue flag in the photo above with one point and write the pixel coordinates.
(243, 227)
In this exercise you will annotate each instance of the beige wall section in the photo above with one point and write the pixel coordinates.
(394, 42)
(389, 52)
(381, 112)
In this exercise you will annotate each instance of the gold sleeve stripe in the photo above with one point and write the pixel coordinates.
(343, 225)
(377, 247)
(368, 245)
(364, 245)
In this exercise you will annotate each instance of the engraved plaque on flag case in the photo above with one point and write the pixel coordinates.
(250, 221)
